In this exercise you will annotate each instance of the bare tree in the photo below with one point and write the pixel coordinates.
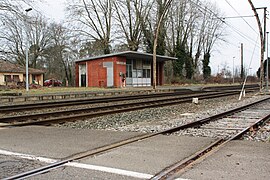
(38, 35)
(214, 32)
(60, 54)
(7, 6)
(91, 48)
(192, 29)
(94, 20)
(181, 36)
(201, 28)
(51, 46)
(12, 39)
(12, 6)
(17, 33)
(149, 22)
(128, 16)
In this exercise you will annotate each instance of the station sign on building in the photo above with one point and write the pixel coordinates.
(110, 70)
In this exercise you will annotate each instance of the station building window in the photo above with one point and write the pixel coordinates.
(140, 69)
(147, 69)
(8, 78)
(16, 78)
(146, 73)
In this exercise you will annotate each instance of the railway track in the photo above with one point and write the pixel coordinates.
(173, 170)
(234, 87)
(48, 118)
(76, 102)
(225, 128)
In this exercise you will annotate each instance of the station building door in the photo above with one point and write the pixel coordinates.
(82, 75)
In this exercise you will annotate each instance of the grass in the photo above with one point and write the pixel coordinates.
(54, 90)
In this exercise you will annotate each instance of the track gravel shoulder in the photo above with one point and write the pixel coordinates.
(159, 119)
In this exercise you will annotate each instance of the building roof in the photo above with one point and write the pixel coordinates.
(8, 67)
(130, 55)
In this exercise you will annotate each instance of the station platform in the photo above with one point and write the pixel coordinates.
(140, 160)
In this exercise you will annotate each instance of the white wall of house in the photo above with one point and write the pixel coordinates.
(2, 77)
(38, 78)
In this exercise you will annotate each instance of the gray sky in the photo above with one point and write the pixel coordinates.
(248, 35)
(223, 53)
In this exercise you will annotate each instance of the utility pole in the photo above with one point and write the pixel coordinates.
(242, 61)
(262, 43)
(26, 55)
(166, 7)
(266, 88)
(265, 11)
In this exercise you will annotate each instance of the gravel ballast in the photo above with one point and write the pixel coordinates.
(10, 165)
(158, 119)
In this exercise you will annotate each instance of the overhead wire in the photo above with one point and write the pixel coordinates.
(204, 8)
(241, 17)
(248, 25)
(234, 17)
(247, 48)
(222, 20)
(242, 34)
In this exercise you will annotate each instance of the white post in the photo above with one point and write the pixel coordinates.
(26, 56)
(26, 66)
(233, 71)
(267, 64)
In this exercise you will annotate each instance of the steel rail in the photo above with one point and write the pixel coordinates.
(129, 141)
(175, 170)
(217, 116)
(72, 102)
(40, 105)
(100, 111)
(235, 87)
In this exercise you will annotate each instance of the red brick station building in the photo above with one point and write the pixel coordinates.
(108, 70)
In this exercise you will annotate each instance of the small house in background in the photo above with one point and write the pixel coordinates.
(12, 74)
(109, 70)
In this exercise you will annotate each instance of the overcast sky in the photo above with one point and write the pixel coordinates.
(223, 53)
(248, 34)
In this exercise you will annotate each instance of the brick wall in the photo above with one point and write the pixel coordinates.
(161, 74)
(119, 66)
(97, 73)
(77, 74)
